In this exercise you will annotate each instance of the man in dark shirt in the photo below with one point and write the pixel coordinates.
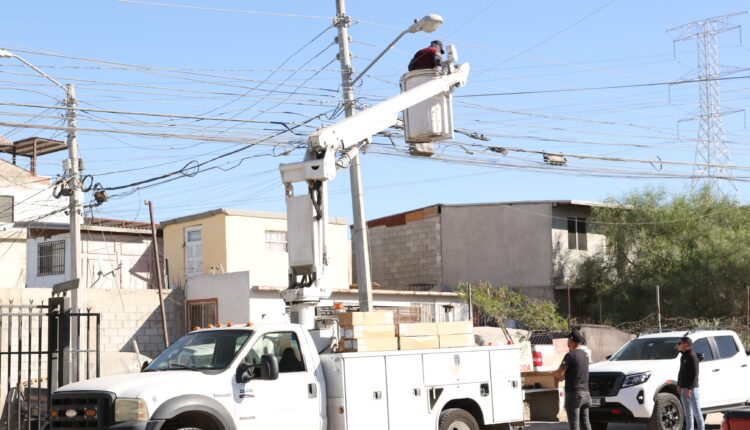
(575, 368)
(428, 58)
(687, 382)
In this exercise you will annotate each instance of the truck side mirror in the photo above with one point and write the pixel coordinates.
(700, 356)
(243, 374)
(269, 367)
(608, 357)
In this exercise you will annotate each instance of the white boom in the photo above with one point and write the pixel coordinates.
(307, 214)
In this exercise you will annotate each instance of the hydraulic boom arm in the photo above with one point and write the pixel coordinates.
(307, 214)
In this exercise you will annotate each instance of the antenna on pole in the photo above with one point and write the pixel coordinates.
(712, 158)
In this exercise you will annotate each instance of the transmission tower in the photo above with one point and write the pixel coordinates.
(712, 166)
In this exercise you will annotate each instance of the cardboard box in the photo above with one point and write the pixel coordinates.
(418, 342)
(370, 344)
(417, 329)
(366, 318)
(367, 331)
(456, 340)
(457, 327)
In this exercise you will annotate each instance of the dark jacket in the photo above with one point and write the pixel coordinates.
(688, 376)
(426, 58)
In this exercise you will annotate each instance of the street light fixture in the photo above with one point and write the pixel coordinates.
(71, 167)
(428, 24)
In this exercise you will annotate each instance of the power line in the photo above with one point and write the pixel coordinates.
(610, 87)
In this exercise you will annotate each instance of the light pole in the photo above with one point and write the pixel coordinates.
(359, 236)
(71, 167)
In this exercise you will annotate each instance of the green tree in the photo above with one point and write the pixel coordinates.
(694, 247)
(502, 304)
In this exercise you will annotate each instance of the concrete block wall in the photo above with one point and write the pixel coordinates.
(126, 315)
(406, 254)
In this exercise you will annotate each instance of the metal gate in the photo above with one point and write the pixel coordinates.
(42, 347)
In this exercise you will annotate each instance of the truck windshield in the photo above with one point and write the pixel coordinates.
(209, 350)
(662, 348)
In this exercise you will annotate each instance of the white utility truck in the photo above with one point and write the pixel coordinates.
(284, 376)
(638, 383)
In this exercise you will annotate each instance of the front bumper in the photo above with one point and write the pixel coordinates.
(631, 404)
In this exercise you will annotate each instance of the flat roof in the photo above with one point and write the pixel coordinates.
(33, 146)
(510, 203)
(237, 212)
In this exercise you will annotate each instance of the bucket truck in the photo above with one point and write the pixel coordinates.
(276, 376)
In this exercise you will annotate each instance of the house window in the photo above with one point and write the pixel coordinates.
(577, 234)
(51, 258)
(193, 251)
(276, 241)
(201, 313)
(6, 209)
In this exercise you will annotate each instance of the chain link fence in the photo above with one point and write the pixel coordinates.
(652, 323)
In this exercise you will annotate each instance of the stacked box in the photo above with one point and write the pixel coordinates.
(417, 336)
(366, 318)
(456, 334)
(369, 344)
(418, 342)
(367, 331)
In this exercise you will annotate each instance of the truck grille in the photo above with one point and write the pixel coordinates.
(605, 384)
(71, 410)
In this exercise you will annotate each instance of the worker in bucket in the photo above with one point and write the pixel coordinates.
(575, 369)
(429, 57)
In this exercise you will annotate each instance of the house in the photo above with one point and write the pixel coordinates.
(233, 264)
(528, 245)
(230, 240)
(24, 197)
(115, 254)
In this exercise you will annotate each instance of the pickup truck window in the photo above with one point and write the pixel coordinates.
(661, 348)
(648, 349)
(727, 346)
(202, 350)
(701, 346)
(284, 345)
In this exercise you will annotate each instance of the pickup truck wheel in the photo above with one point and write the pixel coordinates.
(667, 413)
(457, 419)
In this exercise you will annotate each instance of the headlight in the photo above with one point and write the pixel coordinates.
(130, 410)
(638, 378)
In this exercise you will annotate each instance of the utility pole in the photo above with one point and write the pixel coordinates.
(158, 273)
(74, 185)
(359, 235)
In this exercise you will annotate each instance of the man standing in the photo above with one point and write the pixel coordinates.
(687, 382)
(429, 57)
(575, 368)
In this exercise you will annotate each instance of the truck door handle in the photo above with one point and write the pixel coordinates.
(312, 391)
(716, 370)
(744, 365)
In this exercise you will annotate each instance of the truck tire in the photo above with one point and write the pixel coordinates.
(667, 413)
(457, 419)
(599, 425)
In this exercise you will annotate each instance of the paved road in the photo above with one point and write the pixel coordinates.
(713, 421)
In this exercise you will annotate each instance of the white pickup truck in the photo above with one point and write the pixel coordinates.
(271, 377)
(639, 382)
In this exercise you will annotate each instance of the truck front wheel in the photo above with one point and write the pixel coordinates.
(667, 413)
(457, 419)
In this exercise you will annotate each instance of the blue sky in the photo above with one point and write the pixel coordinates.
(176, 83)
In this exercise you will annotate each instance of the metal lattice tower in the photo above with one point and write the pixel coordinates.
(712, 166)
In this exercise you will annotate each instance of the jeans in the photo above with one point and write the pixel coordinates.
(577, 404)
(692, 407)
